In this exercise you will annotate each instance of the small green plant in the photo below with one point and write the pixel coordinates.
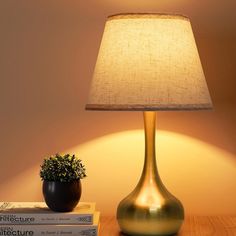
(62, 168)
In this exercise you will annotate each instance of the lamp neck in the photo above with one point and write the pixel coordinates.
(150, 168)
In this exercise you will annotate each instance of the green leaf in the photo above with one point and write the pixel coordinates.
(63, 168)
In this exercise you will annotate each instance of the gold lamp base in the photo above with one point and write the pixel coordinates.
(150, 209)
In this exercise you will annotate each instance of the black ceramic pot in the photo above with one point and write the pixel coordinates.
(60, 196)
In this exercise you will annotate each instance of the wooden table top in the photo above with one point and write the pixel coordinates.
(193, 226)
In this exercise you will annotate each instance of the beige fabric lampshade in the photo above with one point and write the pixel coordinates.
(148, 62)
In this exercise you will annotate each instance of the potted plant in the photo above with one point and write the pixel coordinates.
(61, 175)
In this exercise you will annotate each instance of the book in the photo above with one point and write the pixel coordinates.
(35, 230)
(39, 213)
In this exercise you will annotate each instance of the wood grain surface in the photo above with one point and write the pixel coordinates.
(193, 226)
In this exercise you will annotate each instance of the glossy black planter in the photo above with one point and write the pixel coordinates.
(61, 197)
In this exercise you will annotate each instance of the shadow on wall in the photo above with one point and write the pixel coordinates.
(201, 175)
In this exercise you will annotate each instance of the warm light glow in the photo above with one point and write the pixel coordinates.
(201, 175)
(191, 169)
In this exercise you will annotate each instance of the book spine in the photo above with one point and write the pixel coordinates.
(59, 218)
(35, 230)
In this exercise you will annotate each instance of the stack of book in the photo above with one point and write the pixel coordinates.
(35, 218)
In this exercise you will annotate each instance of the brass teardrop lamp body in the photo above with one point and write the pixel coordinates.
(150, 209)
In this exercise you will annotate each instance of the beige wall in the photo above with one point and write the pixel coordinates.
(47, 53)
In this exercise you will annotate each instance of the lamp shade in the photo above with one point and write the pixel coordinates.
(148, 62)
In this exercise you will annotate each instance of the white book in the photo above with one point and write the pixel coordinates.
(35, 230)
(39, 213)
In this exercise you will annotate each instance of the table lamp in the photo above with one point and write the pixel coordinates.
(148, 62)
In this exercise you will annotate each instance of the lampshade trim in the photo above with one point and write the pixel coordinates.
(138, 107)
(147, 15)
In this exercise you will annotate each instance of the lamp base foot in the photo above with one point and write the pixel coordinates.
(150, 220)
